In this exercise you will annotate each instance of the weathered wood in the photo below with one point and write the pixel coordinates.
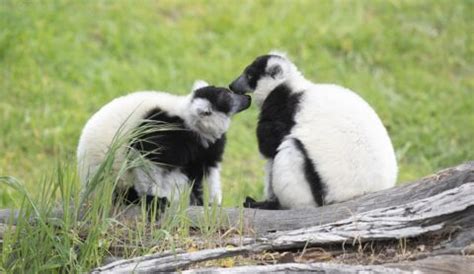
(173, 262)
(263, 221)
(407, 220)
(7, 215)
(299, 267)
(435, 213)
(438, 264)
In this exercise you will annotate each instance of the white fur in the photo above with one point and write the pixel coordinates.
(211, 128)
(153, 180)
(214, 185)
(348, 143)
(290, 75)
(346, 140)
(288, 178)
(278, 53)
(119, 117)
(199, 84)
(114, 121)
(268, 190)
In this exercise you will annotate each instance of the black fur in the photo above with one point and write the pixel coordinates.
(219, 97)
(178, 148)
(273, 204)
(315, 183)
(130, 196)
(275, 122)
(257, 70)
(276, 119)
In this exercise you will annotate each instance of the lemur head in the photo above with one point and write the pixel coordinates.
(210, 109)
(264, 74)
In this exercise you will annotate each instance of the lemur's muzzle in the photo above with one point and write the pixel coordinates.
(240, 85)
(240, 102)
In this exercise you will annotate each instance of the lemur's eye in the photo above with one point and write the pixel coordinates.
(206, 113)
(249, 77)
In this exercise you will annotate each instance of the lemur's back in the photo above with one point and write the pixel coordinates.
(346, 140)
(115, 119)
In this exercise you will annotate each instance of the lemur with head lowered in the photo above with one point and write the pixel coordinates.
(323, 143)
(183, 138)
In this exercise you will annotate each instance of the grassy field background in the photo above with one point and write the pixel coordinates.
(61, 60)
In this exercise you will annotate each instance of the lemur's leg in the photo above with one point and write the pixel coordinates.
(157, 187)
(130, 196)
(214, 185)
(292, 176)
(271, 201)
(268, 191)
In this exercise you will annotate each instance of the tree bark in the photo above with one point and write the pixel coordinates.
(452, 207)
(438, 264)
(264, 221)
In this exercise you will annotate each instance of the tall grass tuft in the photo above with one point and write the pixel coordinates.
(69, 227)
(64, 227)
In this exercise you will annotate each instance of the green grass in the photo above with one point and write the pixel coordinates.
(61, 60)
(90, 229)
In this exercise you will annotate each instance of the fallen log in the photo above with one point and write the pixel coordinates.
(263, 221)
(439, 203)
(438, 264)
(452, 207)
(300, 267)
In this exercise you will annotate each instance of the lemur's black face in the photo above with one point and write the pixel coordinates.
(247, 81)
(222, 100)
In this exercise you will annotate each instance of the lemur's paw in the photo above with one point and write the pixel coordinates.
(249, 202)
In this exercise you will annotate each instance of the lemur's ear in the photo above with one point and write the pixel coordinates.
(278, 53)
(202, 107)
(199, 84)
(275, 71)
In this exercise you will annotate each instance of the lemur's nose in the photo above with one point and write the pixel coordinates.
(232, 86)
(239, 86)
